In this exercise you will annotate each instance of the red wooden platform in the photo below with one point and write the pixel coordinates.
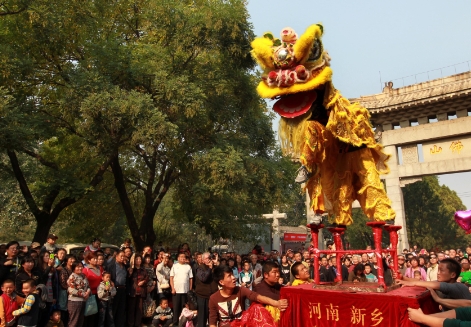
(310, 307)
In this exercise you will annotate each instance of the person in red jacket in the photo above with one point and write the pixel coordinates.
(9, 302)
(93, 273)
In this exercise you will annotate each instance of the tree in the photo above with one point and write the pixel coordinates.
(360, 235)
(430, 208)
(52, 163)
(294, 202)
(156, 92)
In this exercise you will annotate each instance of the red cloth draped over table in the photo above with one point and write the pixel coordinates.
(310, 307)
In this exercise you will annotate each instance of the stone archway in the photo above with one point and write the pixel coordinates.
(428, 126)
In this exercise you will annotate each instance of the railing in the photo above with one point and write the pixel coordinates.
(377, 230)
(465, 66)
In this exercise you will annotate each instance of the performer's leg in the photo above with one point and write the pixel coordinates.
(311, 151)
(369, 188)
(343, 190)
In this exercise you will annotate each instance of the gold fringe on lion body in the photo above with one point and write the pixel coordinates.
(340, 174)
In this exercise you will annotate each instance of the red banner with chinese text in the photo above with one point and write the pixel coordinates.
(310, 307)
(294, 237)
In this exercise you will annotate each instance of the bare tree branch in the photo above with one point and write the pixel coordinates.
(138, 185)
(22, 183)
(7, 11)
(43, 161)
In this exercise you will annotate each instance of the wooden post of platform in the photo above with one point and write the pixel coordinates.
(336, 233)
(314, 248)
(377, 236)
(393, 238)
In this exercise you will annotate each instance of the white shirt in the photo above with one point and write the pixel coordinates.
(432, 273)
(181, 277)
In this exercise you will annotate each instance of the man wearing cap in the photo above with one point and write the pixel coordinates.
(35, 246)
(290, 255)
(50, 245)
(401, 264)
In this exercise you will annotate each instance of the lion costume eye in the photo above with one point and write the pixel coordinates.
(316, 50)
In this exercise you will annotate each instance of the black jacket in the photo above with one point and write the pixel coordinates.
(31, 318)
(326, 274)
(22, 276)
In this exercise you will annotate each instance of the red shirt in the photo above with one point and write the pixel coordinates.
(93, 279)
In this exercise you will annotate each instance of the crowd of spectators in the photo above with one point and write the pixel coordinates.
(43, 285)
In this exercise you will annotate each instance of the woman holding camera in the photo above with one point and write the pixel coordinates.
(47, 276)
(163, 278)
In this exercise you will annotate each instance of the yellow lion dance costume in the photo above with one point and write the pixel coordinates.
(332, 137)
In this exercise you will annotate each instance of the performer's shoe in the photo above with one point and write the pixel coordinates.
(303, 175)
(390, 222)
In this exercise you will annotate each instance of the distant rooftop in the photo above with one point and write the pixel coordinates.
(439, 96)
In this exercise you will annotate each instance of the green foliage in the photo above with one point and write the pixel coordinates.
(359, 235)
(292, 200)
(430, 208)
(143, 97)
(97, 214)
(15, 218)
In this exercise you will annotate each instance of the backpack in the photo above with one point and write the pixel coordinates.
(42, 292)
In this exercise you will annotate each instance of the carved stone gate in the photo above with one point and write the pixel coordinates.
(426, 128)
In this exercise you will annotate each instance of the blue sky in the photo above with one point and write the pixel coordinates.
(397, 38)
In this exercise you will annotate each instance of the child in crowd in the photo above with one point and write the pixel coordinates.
(164, 315)
(189, 312)
(106, 291)
(417, 275)
(28, 314)
(370, 277)
(246, 276)
(246, 280)
(55, 319)
(9, 302)
(50, 245)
